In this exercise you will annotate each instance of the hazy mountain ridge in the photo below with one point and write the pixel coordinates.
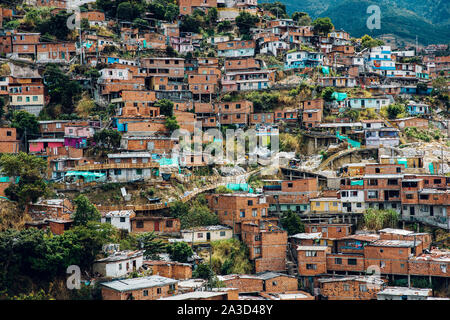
(428, 19)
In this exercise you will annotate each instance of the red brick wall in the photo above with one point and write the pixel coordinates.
(320, 261)
(335, 290)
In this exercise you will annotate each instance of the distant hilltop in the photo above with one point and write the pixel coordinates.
(429, 20)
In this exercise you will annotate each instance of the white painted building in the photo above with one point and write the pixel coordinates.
(119, 219)
(207, 234)
(119, 264)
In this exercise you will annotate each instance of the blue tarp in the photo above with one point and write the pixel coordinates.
(240, 187)
(357, 182)
(339, 96)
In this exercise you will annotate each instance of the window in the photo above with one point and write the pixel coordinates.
(8, 133)
(222, 233)
(382, 264)
(140, 224)
(290, 184)
(250, 202)
(371, 194)
(346, 287)
(409, 196)
(138, 171)
(377, 170)
(158, 290)
(199, 235)
(122, 219)
(437, 181)
(35, 98)
(254, 213)
(145, 293)
(257, 250)
(311, 253)
(337, 260)
(242, 214)
(444, 268)
(351, 262)
(258, 237)
(311, 266)
(392, 182)
(120, 266)
(362, 288)
(108, 220)
(169, 223)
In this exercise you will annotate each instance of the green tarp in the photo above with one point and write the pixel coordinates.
(430, 166)
(339, 96)
(87, 175)
(325, 70)
(167, 162)
(357, 182)
(240, 187)
(353, 143)
(403, 161)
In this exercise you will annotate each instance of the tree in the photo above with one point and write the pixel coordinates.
(165, 107)
(440, 86)
(379, 219)
(203, 271)
(25, 122)
(323, 25)
(172, 124)
(327, 94)
(56, 25)
(212, 17)
(85, 106)
(127, 11)
(171, 52)
(189, 24)
(223, 26)
(62, 90)
(394, 110)
(30, 171)
(198, 215)
(245, 21)
(368, 42)
(179, 251)
(277, 8)
(179, 208)
(421, 87)
(85, 211)
(152, 246)
(292, 223)
(302, 18)
(108, 138)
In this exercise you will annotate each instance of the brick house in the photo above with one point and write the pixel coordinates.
(350, 288)
(8, 140)
(146, 288)
(170, 269)
(155, 224)
(330, 231)
(269, 282)
(312, 260)
(267, 246)
(235, 209)
(291, 195)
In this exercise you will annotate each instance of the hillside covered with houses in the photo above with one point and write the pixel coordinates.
(218, 150)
